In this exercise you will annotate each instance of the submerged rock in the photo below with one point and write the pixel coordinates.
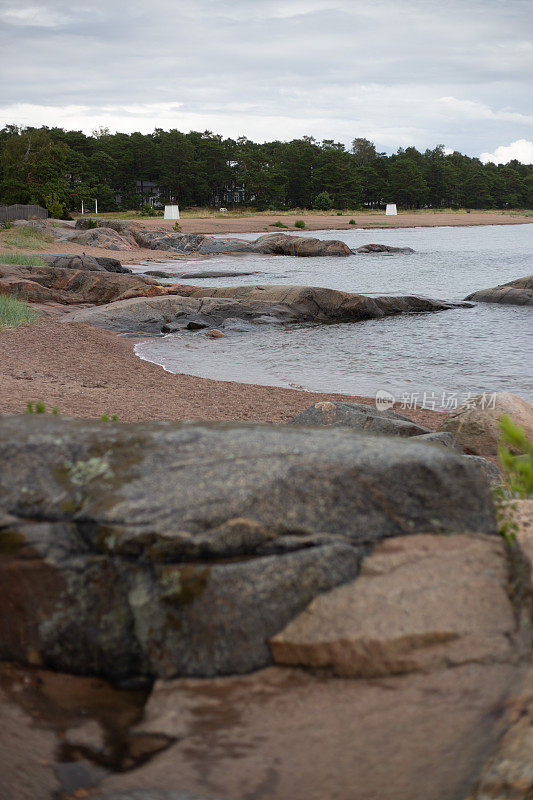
(166, 549)
(382, 248)
(516, 293)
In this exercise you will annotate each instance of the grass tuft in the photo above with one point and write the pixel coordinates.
(20, 260)
(25, 238)
(14, 313)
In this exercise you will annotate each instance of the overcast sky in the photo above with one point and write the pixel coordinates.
(417, 73)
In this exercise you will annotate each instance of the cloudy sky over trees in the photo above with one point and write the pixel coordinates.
(416, 73)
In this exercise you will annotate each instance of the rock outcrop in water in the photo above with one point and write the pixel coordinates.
(166, 549)
(119, 235)
(261, 304)
(516, 293)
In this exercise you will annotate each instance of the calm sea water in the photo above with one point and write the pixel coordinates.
(437, 359)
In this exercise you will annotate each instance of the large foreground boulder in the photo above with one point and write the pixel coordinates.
(475, 424)
(166, 549)
(74, 286)
(516, 293)
(378, 625)
(212, 306)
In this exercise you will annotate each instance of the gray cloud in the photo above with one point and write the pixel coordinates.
(422, 72)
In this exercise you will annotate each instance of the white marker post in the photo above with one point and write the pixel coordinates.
(96, 206)
(391, 211)
(172, 212)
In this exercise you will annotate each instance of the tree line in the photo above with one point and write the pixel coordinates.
(60, 168)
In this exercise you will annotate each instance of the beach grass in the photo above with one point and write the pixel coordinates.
(25, 238)
(21, 260)
(14, 313)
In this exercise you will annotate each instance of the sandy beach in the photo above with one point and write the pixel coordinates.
(86, 372)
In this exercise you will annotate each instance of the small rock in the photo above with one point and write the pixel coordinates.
(215, 334)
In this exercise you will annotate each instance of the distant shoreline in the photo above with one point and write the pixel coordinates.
(262, 223)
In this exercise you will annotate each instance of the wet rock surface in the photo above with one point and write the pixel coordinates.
(516, 293)
(164, 549)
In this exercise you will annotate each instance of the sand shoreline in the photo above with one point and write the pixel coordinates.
(86, 372)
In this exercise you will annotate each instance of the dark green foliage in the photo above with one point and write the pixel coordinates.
(299, 223)
(352, 222)
(91, 223)
(323, 201)
(516, 458)
(277, 224)
(39, 165)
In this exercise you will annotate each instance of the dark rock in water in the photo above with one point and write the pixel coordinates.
(382, 248)
(359, 416)
(286, 304)
(112, 264)
(208, 274)
(515, 293)
(283, 244)
(158, 273)
(138, 550)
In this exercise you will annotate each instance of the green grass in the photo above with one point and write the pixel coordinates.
(20, 260)
(24, 238)
(14, 313)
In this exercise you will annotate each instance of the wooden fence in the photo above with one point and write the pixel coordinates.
(17, 211)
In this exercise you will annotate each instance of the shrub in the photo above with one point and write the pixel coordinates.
(14, 312)
(23, 261)
(91, 223)
(339, 213)
(299, 223)
(38, 408)
(518, 470)
(277, 224)
(323, 201)
(55, 207)
(352, 222)
(177, 227)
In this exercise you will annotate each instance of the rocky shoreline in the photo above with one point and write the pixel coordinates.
(225, 609)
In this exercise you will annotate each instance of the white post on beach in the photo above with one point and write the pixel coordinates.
(391, 210)
(96, 206)
(172, 212)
